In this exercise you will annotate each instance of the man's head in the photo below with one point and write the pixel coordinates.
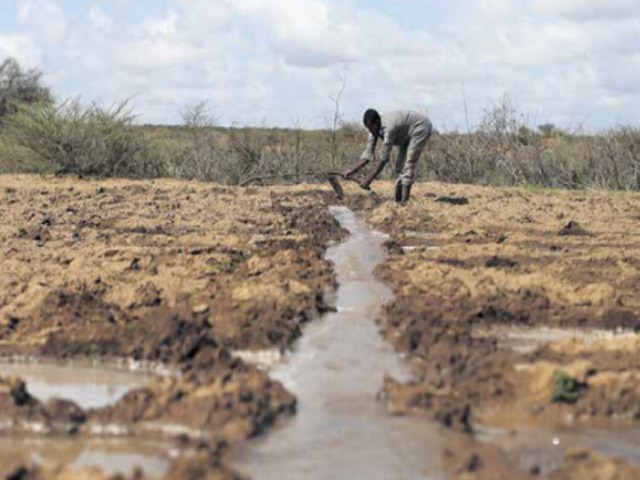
(372, 121)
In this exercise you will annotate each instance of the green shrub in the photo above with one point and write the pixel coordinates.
(85, 140)
(566, 389)
(16, 159)
(18, 86)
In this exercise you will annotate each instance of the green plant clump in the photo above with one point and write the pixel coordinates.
(566, 389)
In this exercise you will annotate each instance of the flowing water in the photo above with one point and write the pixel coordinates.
(341, 429)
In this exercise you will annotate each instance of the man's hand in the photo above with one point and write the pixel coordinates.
(373, 174)
(348, 175)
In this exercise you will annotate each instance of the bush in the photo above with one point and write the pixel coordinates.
(240, 156)
(200, 157)
(566, 389)
(16, 159)
(615, 159)
(20, 87)
(291, 155)
(503, 151)
(86, 141)
(249, 155)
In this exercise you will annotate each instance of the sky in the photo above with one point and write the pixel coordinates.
(573, 63)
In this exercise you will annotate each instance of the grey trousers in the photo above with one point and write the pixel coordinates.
(409, 154)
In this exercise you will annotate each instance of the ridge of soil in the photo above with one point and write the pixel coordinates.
(511, 257)
(174, 273)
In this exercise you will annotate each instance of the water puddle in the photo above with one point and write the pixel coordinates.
(341, 430)
(112, 457)
(527, 339)
(262, 359)
(88, 386)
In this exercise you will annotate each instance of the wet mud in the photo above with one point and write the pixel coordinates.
(478, 285)
(170, 278)
(515, 311)
(336, 371)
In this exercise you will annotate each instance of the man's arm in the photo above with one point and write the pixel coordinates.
(367, 156)
(385, 156)
(379, 166)
(369, 151)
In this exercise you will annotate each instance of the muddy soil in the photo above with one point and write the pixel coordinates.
(158, 273)
(178, 277)
(469, 460)
(503, 259)
(342, 429)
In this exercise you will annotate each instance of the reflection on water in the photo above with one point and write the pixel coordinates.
(89, 387)
(525, 339)
(113, 457)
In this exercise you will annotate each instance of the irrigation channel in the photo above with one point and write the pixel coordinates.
(341, 429)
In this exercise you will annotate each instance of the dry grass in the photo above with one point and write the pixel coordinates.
(503, 150)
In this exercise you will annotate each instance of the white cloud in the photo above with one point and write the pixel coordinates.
(588, 9)
(100, 20)
(215, 15)
(562, 61)
(44, 17)
(307, 33)
(22, 48)
(162, 27)
(150, 53)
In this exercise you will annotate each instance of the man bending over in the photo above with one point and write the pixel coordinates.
(404, 129)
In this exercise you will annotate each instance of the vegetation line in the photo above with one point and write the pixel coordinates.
(87, 140)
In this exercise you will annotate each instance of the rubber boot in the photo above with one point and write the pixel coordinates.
(366, 183)
(398, 191)
(406, 193)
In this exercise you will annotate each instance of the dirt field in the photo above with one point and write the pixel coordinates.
(484, 266)
(184, 275)
(166, 273)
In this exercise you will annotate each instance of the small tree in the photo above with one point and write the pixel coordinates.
(333, 134)
(202, 157)
(18, 86)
